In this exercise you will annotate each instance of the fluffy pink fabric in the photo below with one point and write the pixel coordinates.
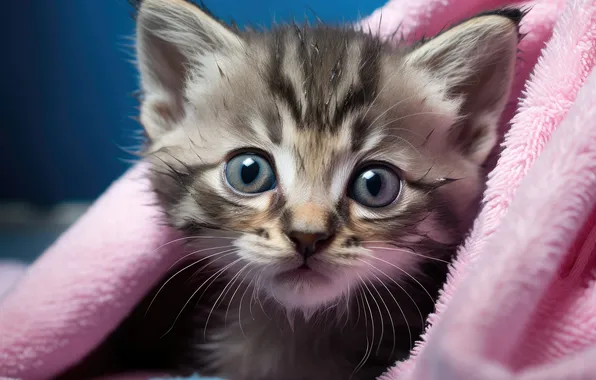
(82, 287)
(520, 299)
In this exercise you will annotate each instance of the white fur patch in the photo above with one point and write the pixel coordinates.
(285, 162)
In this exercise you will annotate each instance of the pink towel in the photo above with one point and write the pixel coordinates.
(520, 301)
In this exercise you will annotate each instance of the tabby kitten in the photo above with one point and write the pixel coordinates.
(327, 172)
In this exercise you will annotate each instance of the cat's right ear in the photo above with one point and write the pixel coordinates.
(173, 38)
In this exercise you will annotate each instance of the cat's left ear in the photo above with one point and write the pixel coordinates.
(176, 41)
(475, 62)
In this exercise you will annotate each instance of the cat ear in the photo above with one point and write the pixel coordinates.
(173, 37)
(475, 61)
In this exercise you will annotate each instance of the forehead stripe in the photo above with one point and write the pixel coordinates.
(360, 94)
(279, 84)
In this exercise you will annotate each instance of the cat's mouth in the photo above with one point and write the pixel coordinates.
(303, 274)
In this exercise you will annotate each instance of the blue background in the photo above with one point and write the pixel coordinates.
(67, 88)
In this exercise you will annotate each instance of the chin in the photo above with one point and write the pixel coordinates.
(308, 289)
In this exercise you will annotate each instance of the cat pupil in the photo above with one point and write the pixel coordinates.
(250, 171)
(373, 183)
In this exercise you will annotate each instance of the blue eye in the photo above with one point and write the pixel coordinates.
(250, 173)
(375, 186)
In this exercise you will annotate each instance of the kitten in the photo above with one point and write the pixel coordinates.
(327, 172)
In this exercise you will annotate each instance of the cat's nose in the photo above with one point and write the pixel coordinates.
(308, 243)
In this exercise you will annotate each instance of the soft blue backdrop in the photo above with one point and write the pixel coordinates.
(66, 88)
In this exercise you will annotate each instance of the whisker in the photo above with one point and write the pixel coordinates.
(412, 114)
(196, 252)
(407, 274)
(233, 280)
(240, 308)
(372, 123)
(259, 299)
(377, 96)
(409, 252)
(253, 297)
(224, 253)
(213, 281)
(372, 324)
(380, 315)
(391, 294)
(413, 243)
(212, 237)
(368, 344)
(358, 309)
(361, 363)
(196, 291)
(390, 320)
(407, 142)
(347, 306)
(235, 249)
(222, 293)
(398, 306)
(347, 298)
(186, 238)
(406, 131)
(236, 291)
(330, 307)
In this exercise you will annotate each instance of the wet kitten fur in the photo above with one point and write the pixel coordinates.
(319, 102)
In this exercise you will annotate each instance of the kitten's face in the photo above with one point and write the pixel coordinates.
(331, 158)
